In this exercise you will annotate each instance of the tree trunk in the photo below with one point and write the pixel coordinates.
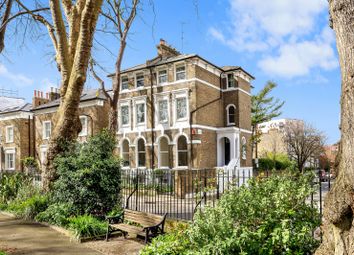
(4, 20)
(338, 226)
(113, 119)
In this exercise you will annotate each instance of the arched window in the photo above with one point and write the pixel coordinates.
(125, 152)
(141, 153)
(164, 156)
(182, 151)
(231, 111)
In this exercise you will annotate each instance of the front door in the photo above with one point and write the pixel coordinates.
(227, 150)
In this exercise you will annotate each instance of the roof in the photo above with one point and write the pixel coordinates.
(164, 60)
(85, 96)
(11, 104)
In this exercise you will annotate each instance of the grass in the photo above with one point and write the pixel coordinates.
(3, 253)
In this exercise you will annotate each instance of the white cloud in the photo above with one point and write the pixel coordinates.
(285, 32)
(15, 79)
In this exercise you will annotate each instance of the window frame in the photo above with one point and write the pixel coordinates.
(121, 82)
(7, 140)
(227, 81)
(136, 113)
(158, 76)
(183, 151)
(243, 148)
(185, 71)
(43, 150)
(121, 115)
(176, 108)
(159, 121)
(44, 135)
(84, 129)
(165, 152)
(122, 152)
(228, 114)
(136, 80)
(7, 152)
(140, 152)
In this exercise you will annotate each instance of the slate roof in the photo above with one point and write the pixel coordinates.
(85, 96)
(10, 104)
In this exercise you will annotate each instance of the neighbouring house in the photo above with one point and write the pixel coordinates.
(16, 128)
(93, 114)
(180, 111)
(327, 160)
(176, 111)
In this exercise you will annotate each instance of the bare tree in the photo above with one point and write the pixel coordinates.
(338, 222)
(121, 14)
(304, 142)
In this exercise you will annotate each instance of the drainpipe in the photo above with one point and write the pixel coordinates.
(29, 136)
(152, 161)
(198, 108)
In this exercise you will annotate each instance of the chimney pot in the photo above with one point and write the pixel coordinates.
(35, 93)
(41, 94)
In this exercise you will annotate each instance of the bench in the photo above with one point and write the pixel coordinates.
(141, 224)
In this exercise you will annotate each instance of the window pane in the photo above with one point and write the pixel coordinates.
(163, 111)
(163, 76)
(181, 107)
(124, 114)
(182, 151)
(83, 126)
(231, 114)
(125, 153)
(140, 113)
(182, 158)
(164, 152)
(141, 153)
(180, 73)
(231, 81)
(125, 83)
(182, 143)
(139, 80)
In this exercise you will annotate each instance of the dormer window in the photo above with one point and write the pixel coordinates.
(125, 83)
(180, 72)
(162, 76)
(231, 111)
(231, 81)
(140, 80)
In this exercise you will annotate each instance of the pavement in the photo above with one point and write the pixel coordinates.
(21, 237)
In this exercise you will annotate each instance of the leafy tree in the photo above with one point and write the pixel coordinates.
(264, 108)
(89, 176)
(270, 216)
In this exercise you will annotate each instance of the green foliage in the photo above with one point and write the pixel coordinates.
(278, 161)
(89, 176)
(10, 184)
(30, 162)
(270, 216)
(87, 226)
(29, 208)
(3, 253)
(56, 214)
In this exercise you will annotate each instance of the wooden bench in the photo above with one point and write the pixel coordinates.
(141, 224)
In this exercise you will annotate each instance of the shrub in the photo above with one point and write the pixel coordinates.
(87, 226)
(29, 208)
(270, 216)
(10, 184)
(278, 161)
(89, 176)
(56, 214)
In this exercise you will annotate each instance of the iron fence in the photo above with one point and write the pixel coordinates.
(181, 193)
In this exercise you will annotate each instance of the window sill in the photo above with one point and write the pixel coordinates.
(181, 168)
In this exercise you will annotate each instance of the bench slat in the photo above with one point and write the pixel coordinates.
(142, 218)
(128, 228)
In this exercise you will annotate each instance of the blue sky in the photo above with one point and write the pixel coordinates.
(287, 41)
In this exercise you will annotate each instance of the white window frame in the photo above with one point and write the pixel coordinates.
(177, 152)
(227, 114)
(158, 76)
(141, 100)
(121, 82)
(159, 152)
(243, 148)
(175, 107)
(45, 137)
(185, 71)
(158, 110)
(122, 151)
(10, 151)
(227, 81)
(136, 80)
(125, 104)
(43, 151)
(137, 152)
(84, 129)
(7, 138)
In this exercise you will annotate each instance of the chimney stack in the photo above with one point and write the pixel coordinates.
(38, 98)
(166, 50)
(54, 94)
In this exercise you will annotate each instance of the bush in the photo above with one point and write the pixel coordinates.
(10, 184)
(270, 216)
(29, 208)
(87, 226)
(56, 214)
(89, 176)
(278, 161)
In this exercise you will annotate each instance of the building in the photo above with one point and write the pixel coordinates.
(180, 111)
(176, 111)
(15, 133)
(272, 136)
